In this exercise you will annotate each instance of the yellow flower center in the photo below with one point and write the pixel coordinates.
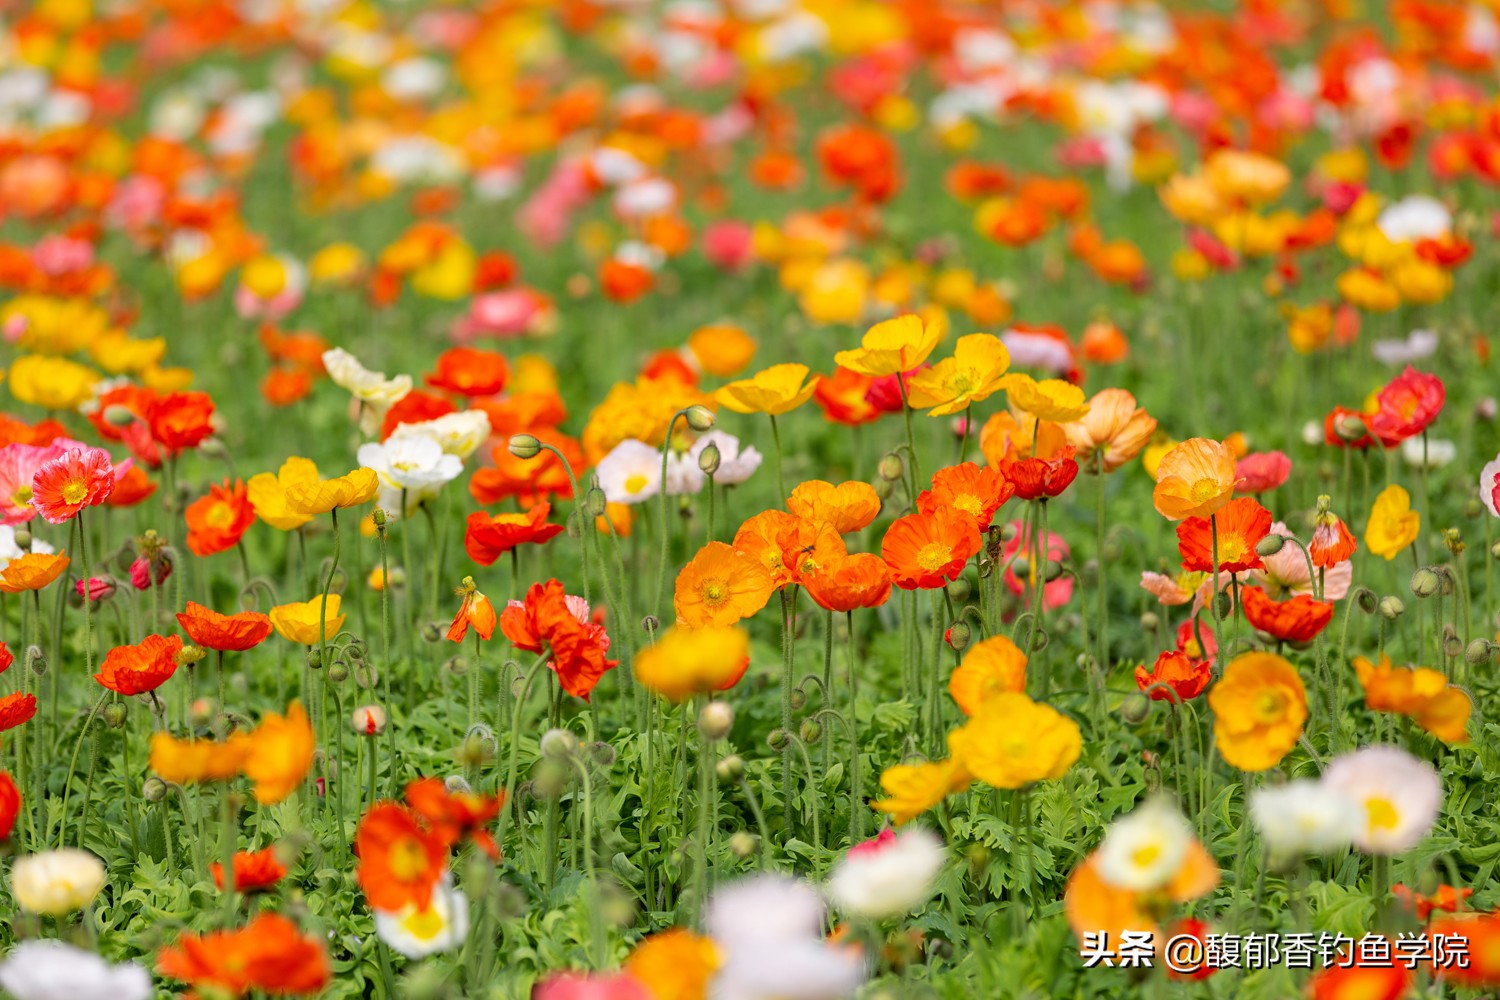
(219, 515)
(1145, 855)
(963, 381)
(635, 483)
(1205, 489)
(934, 556)
(1270, 706)
(1193, 650)
(1231, 549)
(408, 860)
(75, 491)
(423, 926)
(1380, 814)
(714, 592)
(969, 504)
(21, 497)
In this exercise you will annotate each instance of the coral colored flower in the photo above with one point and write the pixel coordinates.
(1422, 694)
(1296, 619)
(849, 507)
(253, 870)
(32, 571)
(974, 373)
(131, 670)
(268, 955)
(131, 488)
(990, 667)
(476, 610)
(78, 478)
(16, 708)
(6, 659)
(549, 619)
(487, 537)
(1240, 526)
(1393, 525)
(720, 586)
(267, 493)
(775, 390)
(1259, 706)
(400, 857)
(1042, 478)
(861, 580)
(1195, 479)
(279, 754)
(1445, 899)
(470, 371)
(1112, 433)
(218, 521)
(893, 346)
(180, 420)
(306, 622)
(1180, 677)
(1013, 742)
(1407, 406)
(927, 550)
(229, 633)
(456, 816)
(977, 491)
(1332, 541)
(912, 789)
(1262, 471)
(685, 662)
(843, 397)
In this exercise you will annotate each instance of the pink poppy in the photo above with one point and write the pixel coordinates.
(1261, 471)
(1054, 594)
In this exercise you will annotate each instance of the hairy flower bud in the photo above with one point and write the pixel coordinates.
(891, 467)
(115, 714)
(1391, 608)
(559, 743)
(595, 502)
(958, 636)
(1136, 708)
(1425, 582)
(1477, 652)
(731, 768)
(1270, 545)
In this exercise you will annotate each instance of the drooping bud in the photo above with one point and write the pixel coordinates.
(1136, 708)
(731, 768)
(1425, 582)
(1150, 621)
(891, 467)
(595, 502)
(1477, 652)
(115, 714)
(559, 743)
(700, 418)
(1391, 608)
(1270, 545)
(958, 636)
(811, 731)
(153, 789)
(778, 740)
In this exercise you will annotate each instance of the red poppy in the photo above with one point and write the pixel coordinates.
(1181, 676)
(1481, 933)
(219, 520)
(1262, 471)
(6, 658)
(546, 621)
(971, 489)
(1297, 619)
(861, 580)
(131, 488)
(416, 407)
(181, 420)
(401, 859)
(253, 870)
(456, 816)
(227, 633)
(1446, 898)
(1241, 524)
(1042, 478)
(269, 955)
(1194, 928)
(529, 480)
(1407, 405)
(843, 397)
(143, 667)
(15, 709)
(927, 550)
(470, 371)
(10, 805)
(1348, 981)
(1341, 419)
(490, 536)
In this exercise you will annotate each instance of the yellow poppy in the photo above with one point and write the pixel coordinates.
(992, 667)
(1014, 742)
(51, 383)
(775, 390)
(974, 373)
(349, 490)
(912, 789)
(281, 751)
(1393, 525)
(1051, 399)
(1195, 479)
(894, 346)
(298, 621)
(1259, 707)
(267, 493)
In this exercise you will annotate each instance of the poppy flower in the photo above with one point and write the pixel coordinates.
(10, 805)
(912, 789)
(720, 349)
(1259, 706)
(1346, 428)
(306, 622)
(530, 480)
(470, 371)
(6, 658)
(1195, 479)
(1419, 693)
(1350, 980)
(78, 478)
(843, 398)
(1112, 433)
(1262, 471)
(974, 373)
(1296, 619)
(1035, 478)
(720, 586)
(549, 619)
(487, 537)
(32, 571)
(861, 580)
(216, 522)
(268, 493)
(927, 550)
(1053, 399)
(684, 662)
(268, 955)
(1241, 525)
(1332, 541)
(1406, 406)
(1182, 676)
(400, 857)
(349, 490)
(849, 506)
(893, 346)
(775, 390)
(16, 708)
(416, 407)
(1445, 899)
(227, 633)
(183, 762)
(180, 420)
(1393, 525)
(278, 754)
(475, 610)
(253, 870)
(131, 488)
(131, 670)
(971, 489)
(456, 816)
(990, 667)
(1012, 742)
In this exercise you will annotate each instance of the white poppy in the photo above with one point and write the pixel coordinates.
(1304, 817)
(630, 473)
(418, 933)
(887, 876)
(1434, 453)
(1144, 850)
(51, 970)
(1415, 217)
(1413, 347)
(373, 390)
(1400, 796)
(459, 434)
(737, 462)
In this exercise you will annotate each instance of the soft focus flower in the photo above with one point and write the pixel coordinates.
(990, 667)
(630, 473)
(1195, 479)
(1303, 817)
(1112, 433)
(1393, 525)
(775, 390)
(41, 969)
(268, 954)
(1013, 742)
(1400, 796)
(416, 932)
(888, 876)
(1420, 693)
(55, 883)
(1143, 851)
(1259, 706)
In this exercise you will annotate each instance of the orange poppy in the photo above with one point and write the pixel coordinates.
(400, 858)
(416, 407)
(253, 870)
(140, 668)
(809, 546)
(285, 386)
(1332, 541)
(1242, 523)
(1481, 932)
(226, 633)
(476, 610)
(131, 488)
(759, 538)
(848, 506)
(10, 805)
(1179, 674)
(487, 537)
(470, 371)
(529, 480)
(456, 816)
(180, 420)
(977, 491)
(32, 571)
(269, 955)
(925, 550)
(1195, 479)
(547, 620)
(862, 580)
(720, 586)
(218, 521)
(15, 709)
(1376, 981)
(1296, 619)
(183, 762)
(520, 412)
(279, 753)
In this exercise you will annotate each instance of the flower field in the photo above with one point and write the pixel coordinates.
(748, 499)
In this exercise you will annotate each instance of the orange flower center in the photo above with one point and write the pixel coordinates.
(714, 592)
(934, 556)
(75, 491)
(1205, 489)
(969, 504)
(408, 860)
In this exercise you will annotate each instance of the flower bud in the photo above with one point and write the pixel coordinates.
(960, 589)
(1021, 566)
(368, 720)
(1391, 608)
(1136, 708)
(731, 768)
(700, 418)
(153, 789)
(379, 517)
(1224, 604)
(1150, 621)
(1424, 582)
(811, 731)
(23, 539)
(884, 488)
(431, 632)
(476, 750)
(797, 699)
(650, 624)
(778, 740)
(709, 458)
(200, 712)
(891, 467)
(1270, 545)
(1052, 570)
(742, 844)
(115, 714)
(1367, 601)
(595, 502)
(524, 446)
(559, 743)
(1349, 428)
(455, 784)
(1008, 533)
(958, 636)
(338, 672)
(213, 448)
(1452, 644)
(36, 660)
(1473, 508)
(715, 720)
(602, 753)
(551, 778)
(1477, 652)
(118, 416)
